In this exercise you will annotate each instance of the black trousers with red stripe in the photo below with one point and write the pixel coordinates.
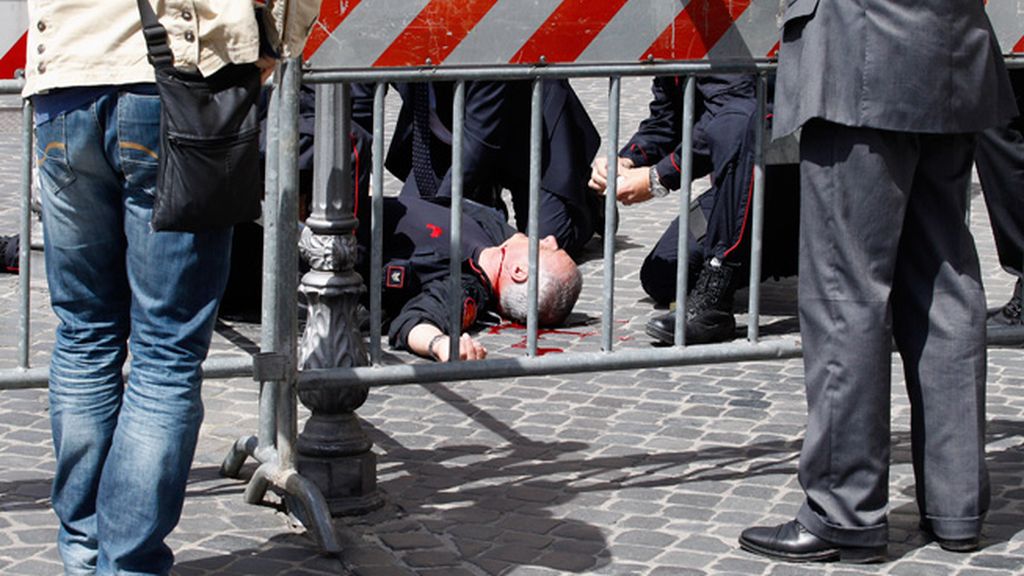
(726, 211)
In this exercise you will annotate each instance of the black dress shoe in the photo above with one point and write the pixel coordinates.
(960, 545)
(793, 543)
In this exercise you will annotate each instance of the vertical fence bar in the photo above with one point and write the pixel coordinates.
(608, 288)
(533, 225)
(455, 270)
(376, 222)
(685, 191)
(25, 237)
(271, 270)
(287, 255)
(757, 227)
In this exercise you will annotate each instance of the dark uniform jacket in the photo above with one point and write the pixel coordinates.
(416, 260)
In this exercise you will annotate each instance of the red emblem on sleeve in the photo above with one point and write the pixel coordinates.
(468, 313)
(435, 230)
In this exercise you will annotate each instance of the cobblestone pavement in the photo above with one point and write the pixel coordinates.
(643, 472)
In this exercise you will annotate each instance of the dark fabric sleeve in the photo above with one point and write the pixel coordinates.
(362, 105)
(430, 306)
(659, 133)
(658, 140)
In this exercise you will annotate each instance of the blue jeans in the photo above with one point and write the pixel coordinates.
(123, 445)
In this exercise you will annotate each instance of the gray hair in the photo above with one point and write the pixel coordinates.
(558, 288)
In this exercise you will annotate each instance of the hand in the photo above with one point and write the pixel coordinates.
(469, 349)
(634, 186)
(599, 172)
(266, 65)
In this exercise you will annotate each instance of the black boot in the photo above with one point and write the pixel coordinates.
(709, 315)
(1008, 315)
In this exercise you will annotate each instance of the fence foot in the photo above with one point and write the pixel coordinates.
(303, 499)
(240, 450)
(313, 512)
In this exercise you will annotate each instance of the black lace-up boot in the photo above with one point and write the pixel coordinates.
(709, 315)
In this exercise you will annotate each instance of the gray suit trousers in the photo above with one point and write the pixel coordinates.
(885, 253)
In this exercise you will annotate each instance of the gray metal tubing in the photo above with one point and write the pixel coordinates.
(318, 518)
(610, 198)
(287, 280)
(271, 269)
(455, 264)
(25, 245)
(20, 378)
(11, 86)
(376, 222)
(13, 378)
(533, 224)
(685, 191)
(554, 364)
(529, 72)
(757, 226)
(550, 364)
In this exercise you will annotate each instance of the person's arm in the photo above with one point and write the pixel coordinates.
(484, 134)
(660, 133)
(655, 143)
(288, 24)
(425, 316)
(429, 341)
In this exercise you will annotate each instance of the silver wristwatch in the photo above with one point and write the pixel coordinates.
(658, 190)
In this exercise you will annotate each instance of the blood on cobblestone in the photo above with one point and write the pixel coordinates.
(515, 326)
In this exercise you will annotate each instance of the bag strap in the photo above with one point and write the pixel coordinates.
(160, 55)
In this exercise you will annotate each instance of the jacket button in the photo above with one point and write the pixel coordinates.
(40, 49)
(189, 36)
(41, 68)
(41, 25)
(186, 15)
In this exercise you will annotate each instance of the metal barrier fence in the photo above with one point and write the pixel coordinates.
(329, 469)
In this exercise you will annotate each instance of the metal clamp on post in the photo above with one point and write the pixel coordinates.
(269, 366)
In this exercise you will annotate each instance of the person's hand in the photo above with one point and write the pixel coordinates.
(266, 65)
(599, 172)
(634, 185)
(469, 349)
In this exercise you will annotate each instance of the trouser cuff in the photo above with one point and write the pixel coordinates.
(860, 536)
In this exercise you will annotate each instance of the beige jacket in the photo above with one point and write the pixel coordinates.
(100, 42)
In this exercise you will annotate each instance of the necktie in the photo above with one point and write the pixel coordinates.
(422, 168)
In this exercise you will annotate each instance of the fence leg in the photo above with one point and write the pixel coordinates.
(240, 450)
(333, 451)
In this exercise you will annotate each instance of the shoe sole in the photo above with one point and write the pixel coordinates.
(845, 555)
